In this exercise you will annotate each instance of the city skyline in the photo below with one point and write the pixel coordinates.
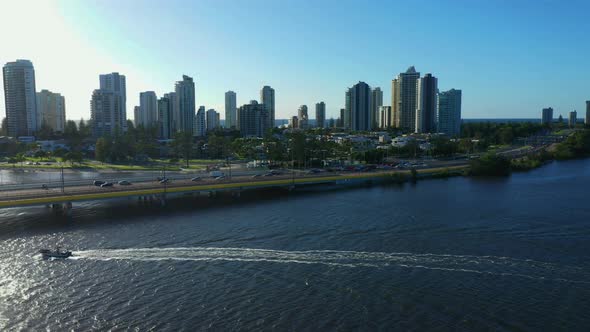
(305, 78)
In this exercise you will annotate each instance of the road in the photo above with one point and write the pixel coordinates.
(184, 180)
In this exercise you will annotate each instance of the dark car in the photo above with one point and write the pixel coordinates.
(98, 183)
(106, 184)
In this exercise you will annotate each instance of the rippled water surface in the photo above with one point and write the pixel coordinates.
(457, 254)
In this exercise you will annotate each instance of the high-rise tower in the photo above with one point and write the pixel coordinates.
(267, 97)
(404, 99)
(20, 98)
(230, 109)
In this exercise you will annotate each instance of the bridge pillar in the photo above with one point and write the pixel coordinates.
(67, 209)
(56, 207)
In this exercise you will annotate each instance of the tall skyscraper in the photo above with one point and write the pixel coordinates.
(267, 97)
(51, 110)
(346, 115)
(136, 116)
(200, 129)
(164, 118)
(547, 115)
(116, 84)
(19, 98)
(230, 109)
(404, 99)
(253, 119)
(426, 111)
(587, 119)
(340, 123)
(376, 102)
(172, 111)
(573, 119)
(294, 122)
(212, 120)
(384, 117)
(449, 112)
(148, 109)
(320, 114)
(303, 117)
(331, 123)
(106, 112)
(360, 107)
(185, 104)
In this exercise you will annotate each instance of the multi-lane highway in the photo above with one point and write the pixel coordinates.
(148, 184)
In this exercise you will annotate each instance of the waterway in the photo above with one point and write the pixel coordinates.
(454, 254)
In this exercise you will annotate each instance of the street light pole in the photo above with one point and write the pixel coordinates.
(62, 179)
(292, 168)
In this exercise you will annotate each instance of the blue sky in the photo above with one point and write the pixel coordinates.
(510, 58)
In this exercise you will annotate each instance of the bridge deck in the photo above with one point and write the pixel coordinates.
(87, 193)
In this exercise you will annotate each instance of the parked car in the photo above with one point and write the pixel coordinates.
(124, 183)
(196, 178)
(106, 184)
(98, 183)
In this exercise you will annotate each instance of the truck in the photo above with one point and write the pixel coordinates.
(215, 174)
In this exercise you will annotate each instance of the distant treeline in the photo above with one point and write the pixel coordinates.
(575, 146)
(501, 133)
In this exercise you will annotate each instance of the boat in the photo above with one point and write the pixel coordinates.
(57, 253)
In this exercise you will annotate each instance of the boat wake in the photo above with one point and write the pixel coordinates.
(492, 265)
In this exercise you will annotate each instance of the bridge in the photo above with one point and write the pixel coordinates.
(62, 197)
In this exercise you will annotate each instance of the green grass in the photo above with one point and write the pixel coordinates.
(563, 132)
(493, 148)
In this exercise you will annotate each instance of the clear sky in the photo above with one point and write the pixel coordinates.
(511, 58)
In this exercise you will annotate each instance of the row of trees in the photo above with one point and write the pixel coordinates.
(500, 133)
(575, 146)
(125, 146)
